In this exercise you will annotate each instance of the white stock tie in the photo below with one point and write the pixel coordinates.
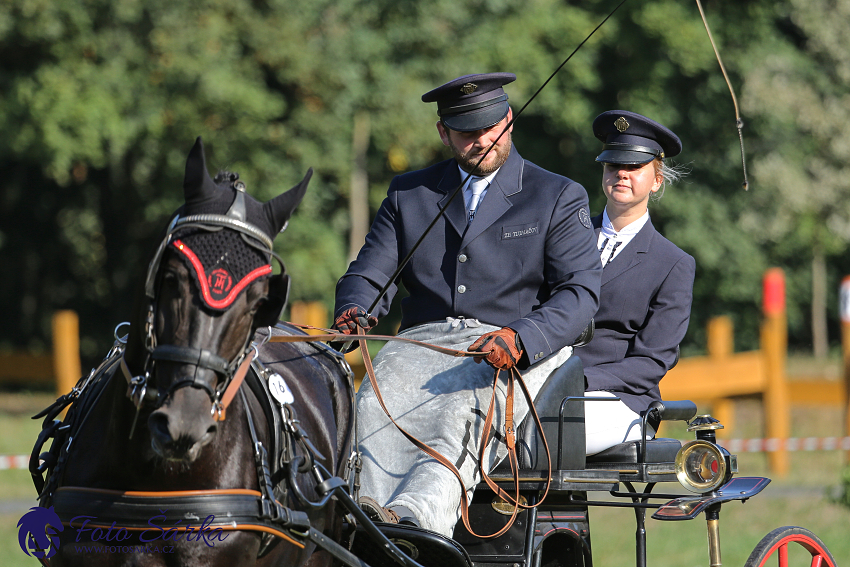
(478, 185)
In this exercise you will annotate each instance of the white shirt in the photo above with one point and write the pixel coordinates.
(611, 242)
(467, 188)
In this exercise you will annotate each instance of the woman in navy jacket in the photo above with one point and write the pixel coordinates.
(647, 281)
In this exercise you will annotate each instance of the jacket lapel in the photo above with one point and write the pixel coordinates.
(508, 181)
(631, 255)
(456, 213)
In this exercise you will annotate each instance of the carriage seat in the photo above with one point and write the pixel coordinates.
(658, 450)
(567, 443)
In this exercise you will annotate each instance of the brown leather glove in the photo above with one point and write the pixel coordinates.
(503, 348)
(350, 319)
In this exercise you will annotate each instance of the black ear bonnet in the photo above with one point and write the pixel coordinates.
(225, 236)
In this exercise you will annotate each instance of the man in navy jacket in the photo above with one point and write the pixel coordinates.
(527, 261)
(511, 267)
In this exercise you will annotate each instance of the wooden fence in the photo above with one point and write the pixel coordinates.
(717, 378)
(61, 367)
(723, 375)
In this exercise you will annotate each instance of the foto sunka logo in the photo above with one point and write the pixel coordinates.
(38, 532)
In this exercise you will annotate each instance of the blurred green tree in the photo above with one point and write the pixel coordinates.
(100, 102)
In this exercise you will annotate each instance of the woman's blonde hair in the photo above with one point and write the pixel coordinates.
(669, 174)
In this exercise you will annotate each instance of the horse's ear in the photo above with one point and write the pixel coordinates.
(269, 312)
(279, 209)
(198, 186)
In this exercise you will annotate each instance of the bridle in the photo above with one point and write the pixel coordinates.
(232, 371)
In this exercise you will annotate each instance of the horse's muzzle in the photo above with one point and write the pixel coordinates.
(182, 426)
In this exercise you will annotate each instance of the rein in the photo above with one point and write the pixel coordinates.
(514, 376)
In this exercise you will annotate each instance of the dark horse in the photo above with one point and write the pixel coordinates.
(163, 458)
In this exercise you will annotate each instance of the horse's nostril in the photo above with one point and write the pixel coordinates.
(212, 429)
(158, 424)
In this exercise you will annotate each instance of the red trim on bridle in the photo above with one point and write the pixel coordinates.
(205, 286)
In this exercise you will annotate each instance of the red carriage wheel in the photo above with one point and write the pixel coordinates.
(788, 542)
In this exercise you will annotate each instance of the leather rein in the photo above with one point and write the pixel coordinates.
(513, 377)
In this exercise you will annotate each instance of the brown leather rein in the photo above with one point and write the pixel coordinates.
(510, 431)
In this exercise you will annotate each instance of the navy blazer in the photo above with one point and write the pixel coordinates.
(528, 261)
(644, 308)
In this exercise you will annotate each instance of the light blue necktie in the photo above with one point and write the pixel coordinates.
(478, 185)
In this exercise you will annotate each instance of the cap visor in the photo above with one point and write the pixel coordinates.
(477, 120)
(625, 158)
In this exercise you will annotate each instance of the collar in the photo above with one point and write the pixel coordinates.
(627, 232)
(463, 175)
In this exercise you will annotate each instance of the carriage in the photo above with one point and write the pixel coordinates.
(557, 532)
(206, 426)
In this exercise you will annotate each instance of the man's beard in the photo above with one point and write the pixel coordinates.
(467, 161)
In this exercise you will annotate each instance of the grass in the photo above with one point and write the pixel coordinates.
(798, 499)
(792, 501)
(17, 493)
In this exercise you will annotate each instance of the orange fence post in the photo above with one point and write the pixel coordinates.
(845, 350)
(774, 334)
(720, 346)
(66, 350)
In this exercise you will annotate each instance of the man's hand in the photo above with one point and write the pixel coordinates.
(502, 349)
(350, 319)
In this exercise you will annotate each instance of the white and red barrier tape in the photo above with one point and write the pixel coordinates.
(790, 444)
(731, 445)
(14, 462)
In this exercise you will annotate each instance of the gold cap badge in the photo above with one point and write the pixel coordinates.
(468, 88)
(621, 124)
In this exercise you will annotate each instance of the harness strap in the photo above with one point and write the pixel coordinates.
(202, 358)
(233, 387)
(197, 357)
(225, 509)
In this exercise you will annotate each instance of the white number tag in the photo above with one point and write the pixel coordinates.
(279, 389)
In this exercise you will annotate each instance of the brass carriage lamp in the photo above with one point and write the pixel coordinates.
(702, 465)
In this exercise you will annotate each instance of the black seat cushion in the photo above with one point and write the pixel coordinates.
(660, 450)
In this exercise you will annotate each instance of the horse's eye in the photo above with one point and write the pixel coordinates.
(169, 279)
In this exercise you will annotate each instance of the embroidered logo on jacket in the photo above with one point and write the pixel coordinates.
(584, 217)
(519, 231)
